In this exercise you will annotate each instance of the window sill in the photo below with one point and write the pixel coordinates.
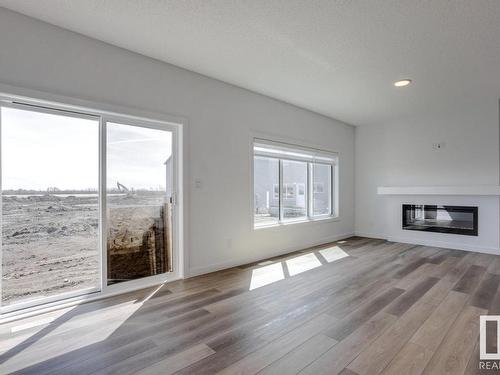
(293, 222)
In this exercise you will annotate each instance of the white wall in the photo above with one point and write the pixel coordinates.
(370, 173)
(402, 154)
(221, 118)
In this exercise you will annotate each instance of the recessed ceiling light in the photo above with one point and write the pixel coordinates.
(402, 83)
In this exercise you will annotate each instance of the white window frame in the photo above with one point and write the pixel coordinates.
(43, 102)
(333, 193)
(309, 155)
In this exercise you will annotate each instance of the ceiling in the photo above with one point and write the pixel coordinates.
(338, 58)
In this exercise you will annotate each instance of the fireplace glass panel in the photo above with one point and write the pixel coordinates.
(441, 219)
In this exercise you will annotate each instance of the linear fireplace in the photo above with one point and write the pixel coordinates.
(441, 219)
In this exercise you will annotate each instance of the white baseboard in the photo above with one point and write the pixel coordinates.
(434, 243)
(195, 271)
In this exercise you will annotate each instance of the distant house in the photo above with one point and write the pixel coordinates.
(266, 189)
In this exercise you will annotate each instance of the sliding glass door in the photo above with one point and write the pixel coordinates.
(139, 189)
(87, 201)
(50, 174)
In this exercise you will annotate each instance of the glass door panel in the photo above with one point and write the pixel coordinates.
(50, 210)
(138, 206)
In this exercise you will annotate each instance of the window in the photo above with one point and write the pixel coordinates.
(294, 204)
(322, 195)
(292, 183)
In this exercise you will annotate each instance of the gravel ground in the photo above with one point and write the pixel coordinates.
(49, 245)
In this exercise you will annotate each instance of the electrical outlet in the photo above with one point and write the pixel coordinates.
(438, 146)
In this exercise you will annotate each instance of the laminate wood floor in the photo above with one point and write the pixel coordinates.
(358, 306)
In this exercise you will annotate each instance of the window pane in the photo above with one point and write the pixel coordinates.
(294, 189)
(266, 190)
(322, 189)
(139, 185)
(49, 204)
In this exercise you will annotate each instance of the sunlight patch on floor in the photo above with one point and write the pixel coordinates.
(96, 333)
(266, 275)
(302, 263)
(32, 324)
(272, 272)
(331, 254)
(56, 324)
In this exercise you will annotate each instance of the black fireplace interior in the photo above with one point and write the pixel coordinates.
(441, 219)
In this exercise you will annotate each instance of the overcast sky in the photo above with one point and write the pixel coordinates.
(43, 150)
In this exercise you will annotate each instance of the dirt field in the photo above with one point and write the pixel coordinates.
(49, 245)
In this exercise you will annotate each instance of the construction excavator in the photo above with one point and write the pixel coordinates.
(123, 189)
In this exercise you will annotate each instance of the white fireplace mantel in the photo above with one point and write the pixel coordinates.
(440, 190)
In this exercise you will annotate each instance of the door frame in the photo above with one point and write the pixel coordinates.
(43, 102)
(144, 281)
